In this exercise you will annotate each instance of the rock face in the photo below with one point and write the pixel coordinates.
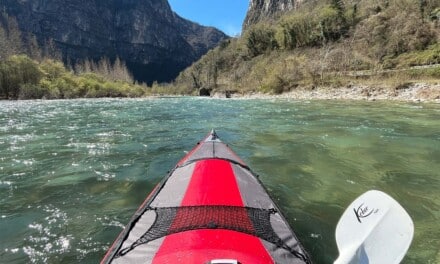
(155, 42)
(260, 10)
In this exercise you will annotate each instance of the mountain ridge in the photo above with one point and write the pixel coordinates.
(260, 10)
(288, 45)
(154, 41)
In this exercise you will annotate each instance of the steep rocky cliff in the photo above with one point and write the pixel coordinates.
(154, 41)
(260, 10)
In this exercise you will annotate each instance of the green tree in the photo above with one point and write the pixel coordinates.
(52, 69)
(17, 72)
(297, 30)
(260, 39)
(332, 23)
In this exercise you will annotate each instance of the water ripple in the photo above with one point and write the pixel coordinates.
(72, 173)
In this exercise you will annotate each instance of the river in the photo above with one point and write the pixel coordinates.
(72, 173)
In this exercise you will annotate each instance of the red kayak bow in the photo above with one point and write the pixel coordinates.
(210, 208)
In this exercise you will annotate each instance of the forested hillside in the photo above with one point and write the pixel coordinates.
(326, 43)
(319, 43)
(29, 70)
(155, 43)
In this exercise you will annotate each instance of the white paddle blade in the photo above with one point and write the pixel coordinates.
(374, 229)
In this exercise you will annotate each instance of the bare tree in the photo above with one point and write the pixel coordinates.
(121, 72)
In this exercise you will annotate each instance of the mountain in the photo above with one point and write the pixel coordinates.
(305, 44)
(260, 10)
(155, 42)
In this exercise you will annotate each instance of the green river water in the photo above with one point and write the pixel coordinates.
(72, 173)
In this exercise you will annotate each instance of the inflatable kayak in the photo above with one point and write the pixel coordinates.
(212, 209)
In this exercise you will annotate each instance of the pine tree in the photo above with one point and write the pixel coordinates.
(15, 42)
(3, 43)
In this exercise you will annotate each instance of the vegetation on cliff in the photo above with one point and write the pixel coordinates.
(41, 74)
(326, 43)
(155, 43)
(332, 43)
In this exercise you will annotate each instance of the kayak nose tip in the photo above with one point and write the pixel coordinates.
(213, 134)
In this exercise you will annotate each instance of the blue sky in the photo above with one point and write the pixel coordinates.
(226, 15)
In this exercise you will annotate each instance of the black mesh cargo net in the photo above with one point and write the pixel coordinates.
(251, 221)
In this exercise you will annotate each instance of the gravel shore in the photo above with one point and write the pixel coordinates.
(419, 92)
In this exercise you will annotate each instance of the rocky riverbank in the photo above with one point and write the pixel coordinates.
(420, 92)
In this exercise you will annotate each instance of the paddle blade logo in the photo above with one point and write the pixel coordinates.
(363, 211)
